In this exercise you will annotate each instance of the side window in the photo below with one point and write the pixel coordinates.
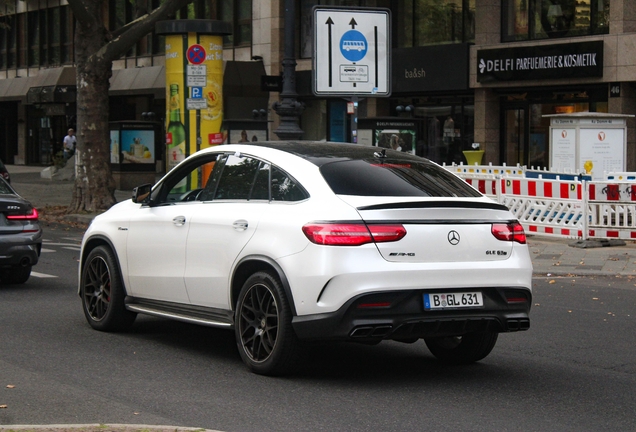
(260, 191)
(237, 178)
(285, 188)
(189, 182)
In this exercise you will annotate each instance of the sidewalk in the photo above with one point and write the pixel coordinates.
(550, 257)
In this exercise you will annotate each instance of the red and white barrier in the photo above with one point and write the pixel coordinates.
(565, 208)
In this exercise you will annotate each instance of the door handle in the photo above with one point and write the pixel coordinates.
(179, 220)
(240, 225)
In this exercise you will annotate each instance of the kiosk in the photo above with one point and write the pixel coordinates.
(134, 150)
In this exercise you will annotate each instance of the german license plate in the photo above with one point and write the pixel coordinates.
(453, 300)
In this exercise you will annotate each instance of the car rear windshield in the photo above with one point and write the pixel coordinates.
(5, 189)
(394, 178)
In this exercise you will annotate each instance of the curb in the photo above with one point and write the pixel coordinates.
(103, 428)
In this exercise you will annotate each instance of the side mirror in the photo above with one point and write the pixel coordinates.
(141, 194)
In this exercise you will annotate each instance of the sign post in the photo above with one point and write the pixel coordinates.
(351, 52)
(194, 83)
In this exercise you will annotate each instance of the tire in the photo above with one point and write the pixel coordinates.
(103, 293)
(262, 323)
(465, 349)
(16, 275)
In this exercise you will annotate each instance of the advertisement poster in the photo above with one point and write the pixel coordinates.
(194, 83)
(563, 150)
(137, 146)
(396, 139)
(601, 151)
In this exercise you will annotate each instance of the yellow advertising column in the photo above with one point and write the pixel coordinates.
(194, 86)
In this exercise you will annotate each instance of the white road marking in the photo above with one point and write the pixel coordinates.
(44, 250)
(76, 248)
(42, 275)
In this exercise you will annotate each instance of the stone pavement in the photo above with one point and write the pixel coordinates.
(550, 256)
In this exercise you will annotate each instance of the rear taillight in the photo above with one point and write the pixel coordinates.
(516, 296)
(352, 234)
(31, 215)
(512, 231)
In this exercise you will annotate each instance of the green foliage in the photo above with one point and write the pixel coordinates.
(58, 159)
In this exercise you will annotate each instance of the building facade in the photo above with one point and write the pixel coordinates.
(463, 72)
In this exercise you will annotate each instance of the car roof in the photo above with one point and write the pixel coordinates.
(320, 152)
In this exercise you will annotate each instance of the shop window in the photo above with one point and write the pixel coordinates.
(65, 36)
(543, 19)
(515, 137)
(447, 128)
(5, 30)
(11, 42)
(21, 39)
(525, 131)
(239, 13)
(33, 21)
(433, 22)
(37, 38)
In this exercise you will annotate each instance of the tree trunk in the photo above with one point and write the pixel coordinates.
(94, 185)
(95, 50)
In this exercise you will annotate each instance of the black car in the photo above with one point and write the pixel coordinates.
(4, 173)
(20, 236)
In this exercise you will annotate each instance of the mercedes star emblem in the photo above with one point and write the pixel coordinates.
(453, 237)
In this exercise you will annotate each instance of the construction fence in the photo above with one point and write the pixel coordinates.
(562, 205)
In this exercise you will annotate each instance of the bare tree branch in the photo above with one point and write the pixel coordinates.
(127, 36)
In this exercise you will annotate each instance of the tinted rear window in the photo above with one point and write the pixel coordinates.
(5, 189)
(394, 178)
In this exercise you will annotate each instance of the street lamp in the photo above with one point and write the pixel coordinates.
(289, 109)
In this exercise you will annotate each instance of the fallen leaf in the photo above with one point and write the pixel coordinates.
(3, 406)
(10, 386)
(552, 281)
(594, 298)
(569, 311)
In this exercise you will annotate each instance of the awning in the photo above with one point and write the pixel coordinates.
(16, 89)
(55, 85)
(139, 81)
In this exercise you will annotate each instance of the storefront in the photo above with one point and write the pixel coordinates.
(524, 131)
(430, 85)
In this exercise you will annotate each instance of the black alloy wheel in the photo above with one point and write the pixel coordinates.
(103, 293)
(266, 341)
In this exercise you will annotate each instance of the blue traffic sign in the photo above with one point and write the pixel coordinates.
(196, 92)
(353, 45)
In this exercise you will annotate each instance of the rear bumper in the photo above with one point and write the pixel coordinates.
(405, 318)
(16, 249)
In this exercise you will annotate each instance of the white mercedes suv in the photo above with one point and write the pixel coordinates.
(290, 241)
